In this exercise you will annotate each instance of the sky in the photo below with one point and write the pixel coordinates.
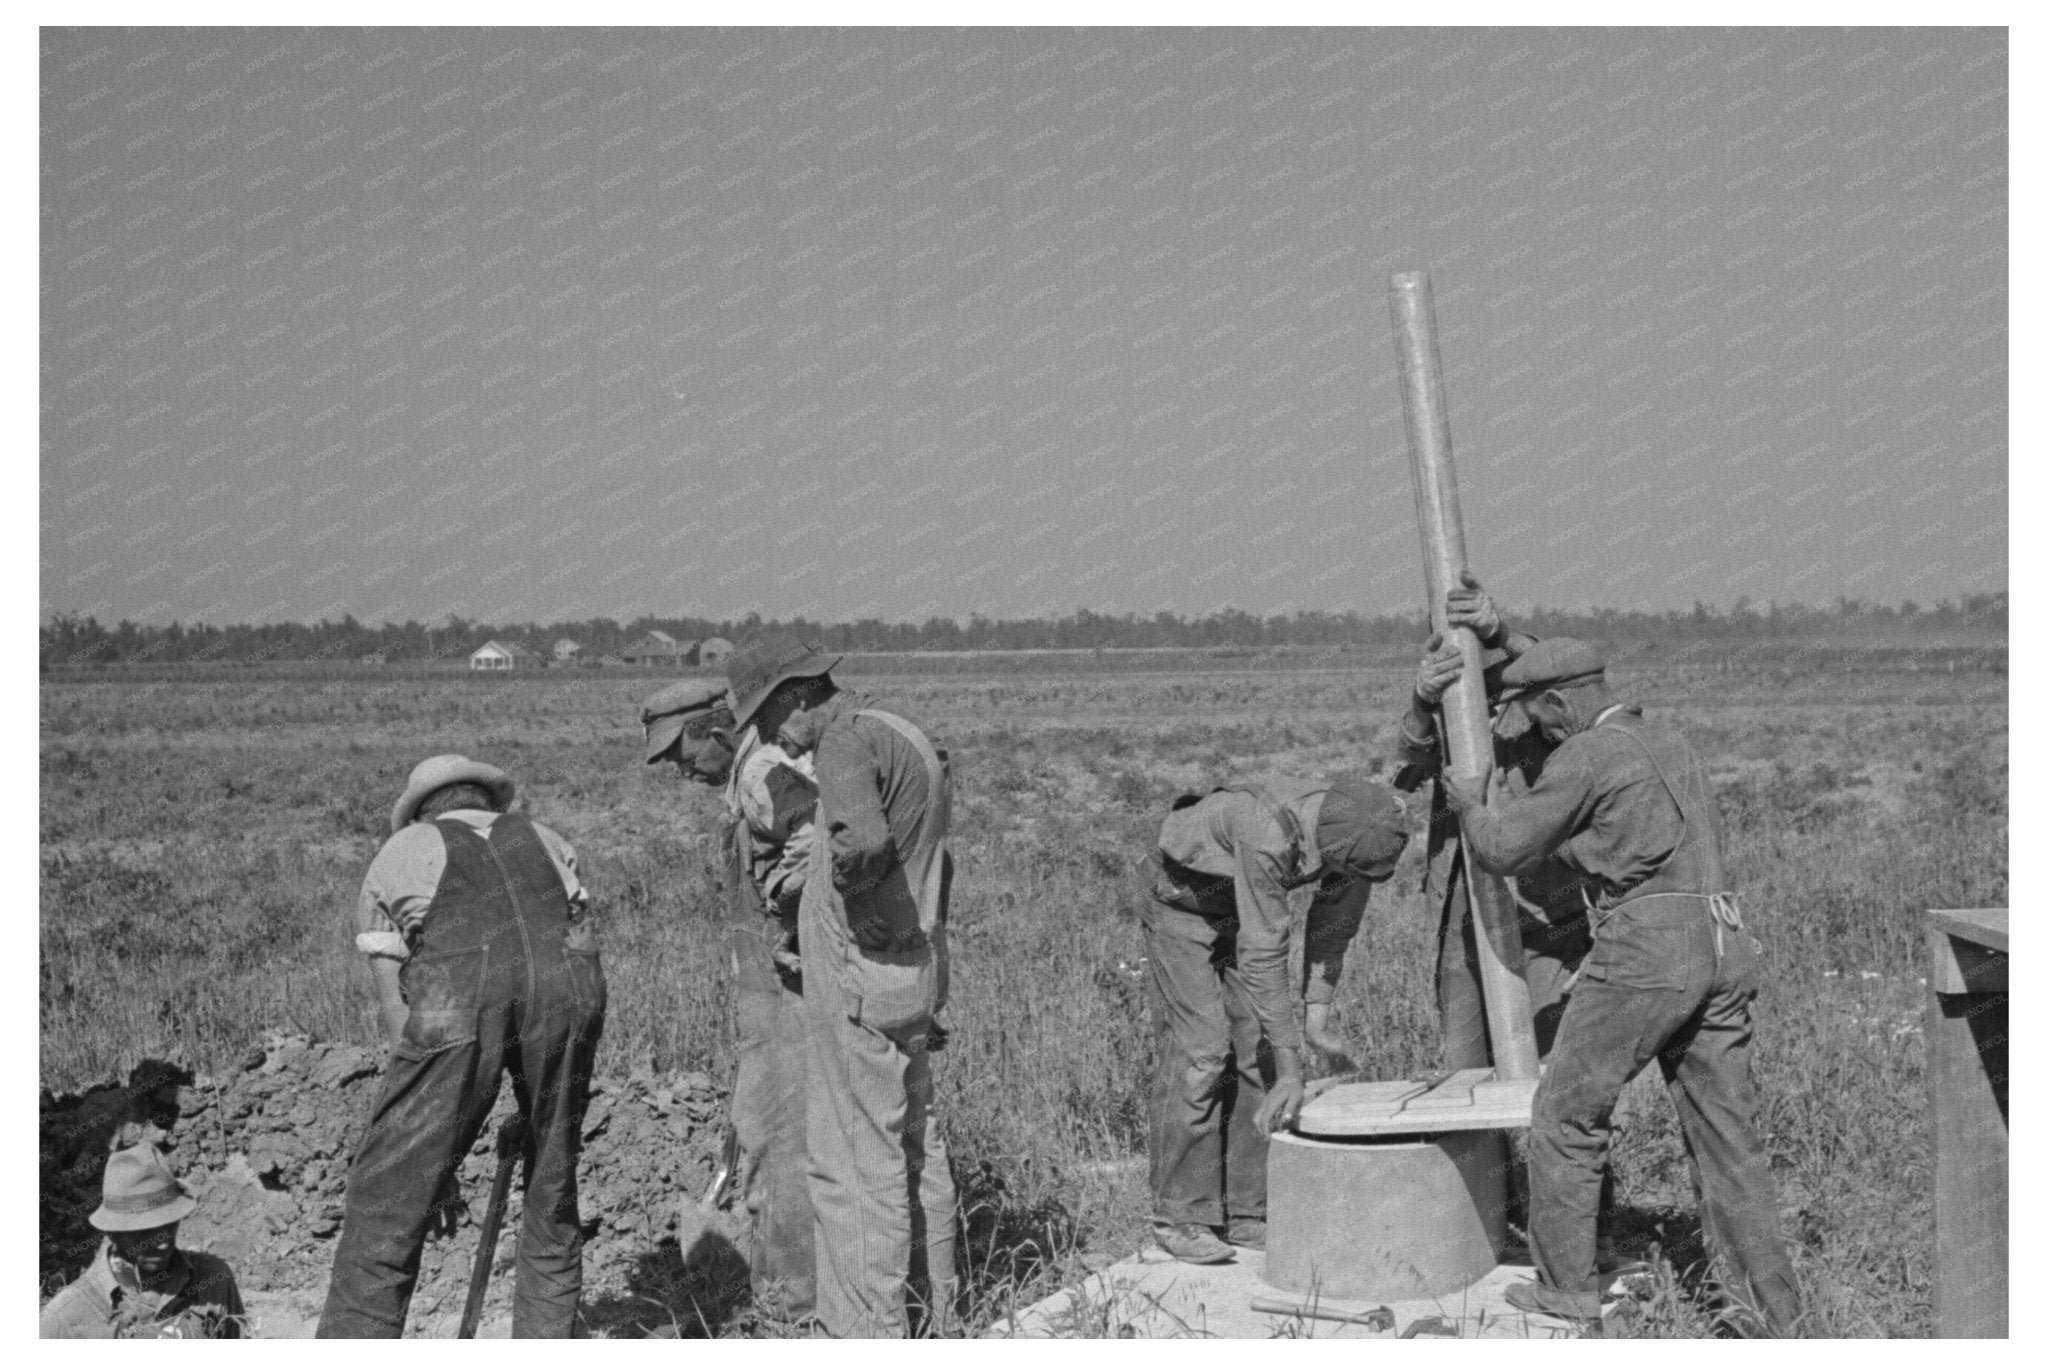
(534, 325)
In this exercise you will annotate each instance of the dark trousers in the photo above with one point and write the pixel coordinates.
(1212, 1072)
(1660, 983)
(438, 1092)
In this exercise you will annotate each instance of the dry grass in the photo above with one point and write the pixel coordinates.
(202, 843)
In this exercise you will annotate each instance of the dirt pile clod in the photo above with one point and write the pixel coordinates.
(266, 1151)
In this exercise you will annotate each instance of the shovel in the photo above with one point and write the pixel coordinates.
(511, 1141)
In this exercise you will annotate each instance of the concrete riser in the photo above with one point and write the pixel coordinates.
(1385, 1220)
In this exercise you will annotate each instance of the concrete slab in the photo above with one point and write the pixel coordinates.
(1151, 1295)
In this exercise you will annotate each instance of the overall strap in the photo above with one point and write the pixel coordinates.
(1718, 899)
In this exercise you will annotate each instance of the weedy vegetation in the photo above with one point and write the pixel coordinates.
(203, 838)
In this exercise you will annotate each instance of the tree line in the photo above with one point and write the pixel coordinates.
(71, 640)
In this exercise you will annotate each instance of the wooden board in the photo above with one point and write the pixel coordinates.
(1984, 927)
(1462, 1100)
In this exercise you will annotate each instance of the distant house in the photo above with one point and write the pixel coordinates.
(658, 647)
(375, 656)
(496, 656)
(566, 650)
(711, 654)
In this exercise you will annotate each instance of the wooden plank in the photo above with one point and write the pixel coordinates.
(1967, 1099)
(1464, 1100)
(1453, 1091)
(1984, 927)
(1958, 966)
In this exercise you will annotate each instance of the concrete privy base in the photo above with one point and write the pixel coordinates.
(1387, 1219)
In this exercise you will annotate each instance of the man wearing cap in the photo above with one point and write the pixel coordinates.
(1217, 932)
(770, 798)
(485, 958)
(142, 1284)
(1672, 974)
(871, 925)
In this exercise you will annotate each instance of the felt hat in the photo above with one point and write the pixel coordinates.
(666, 714)
(442, 770)
(1361, 828)
(759, 666)
(1553, 663)
(138, 1191)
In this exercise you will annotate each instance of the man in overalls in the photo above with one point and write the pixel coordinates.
(764, 842)
(1672, 975)
(872, 930)
(1228, 1067)
(485, 961)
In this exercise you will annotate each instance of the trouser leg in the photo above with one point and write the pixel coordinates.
(1191, 1033)
(1707, 1072)
(782, 1254)
(1608, 1034)
(427, 1116)
(557, 1048)
(934, 1283)
(1250, 1076)
(856, 1115)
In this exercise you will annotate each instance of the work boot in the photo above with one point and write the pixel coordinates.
(1246, 1232)
(1191, 1242)
(1533, 1296)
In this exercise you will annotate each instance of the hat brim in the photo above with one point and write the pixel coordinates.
(109, 1220)
(810, 666)
(493, 779)
(662, 734)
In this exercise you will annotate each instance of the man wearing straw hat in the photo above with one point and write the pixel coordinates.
(770, 798)
(485, 961)
(142, 1284)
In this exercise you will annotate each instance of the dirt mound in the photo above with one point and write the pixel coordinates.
(266, 1152)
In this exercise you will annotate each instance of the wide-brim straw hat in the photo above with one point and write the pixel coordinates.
(138, 1191)
(443, 770)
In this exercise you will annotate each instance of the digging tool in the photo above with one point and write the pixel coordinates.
(721, 1175)
(511, 1144)
(1469, 731)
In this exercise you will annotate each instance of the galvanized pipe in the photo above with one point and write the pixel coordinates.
(1467, 725)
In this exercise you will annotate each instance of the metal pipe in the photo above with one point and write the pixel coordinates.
(1468, 728)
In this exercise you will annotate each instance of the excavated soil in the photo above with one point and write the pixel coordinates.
(266, 1149)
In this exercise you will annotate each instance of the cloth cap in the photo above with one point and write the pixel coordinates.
(667, 713)
(759, 666)
(138, 1191)
(444, 770)
(1553, 663)
(1361, 828)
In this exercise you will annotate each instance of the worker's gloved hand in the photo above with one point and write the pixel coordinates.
(1282, 1105)
(449, 1210)
(1441, 666)
(1469, 606)
(1463, 792)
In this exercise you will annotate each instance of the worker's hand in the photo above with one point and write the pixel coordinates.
(1469, 606)
(1441, 666)
(1332, 1055)
(448, 1211)
(1462, 791)
(1282, 1105)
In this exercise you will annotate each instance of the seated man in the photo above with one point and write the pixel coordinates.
(141, 1284)
(1217, 930)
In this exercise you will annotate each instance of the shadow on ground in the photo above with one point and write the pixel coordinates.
(671, 1292)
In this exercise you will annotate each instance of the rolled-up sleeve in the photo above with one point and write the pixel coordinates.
(397, 890)
(1264, 928)
(564, 858)
(1333, 920)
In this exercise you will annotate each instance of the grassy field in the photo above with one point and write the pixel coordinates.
(203, 839)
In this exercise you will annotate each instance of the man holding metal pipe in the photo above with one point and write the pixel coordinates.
(1625, 803)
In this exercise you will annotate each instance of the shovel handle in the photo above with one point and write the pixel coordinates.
(511, 1143)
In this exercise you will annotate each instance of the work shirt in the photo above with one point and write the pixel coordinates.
(1599, 806)
(398, 890)
(109, 1300)
(871, 782)
(1237, 836)
(775, 797)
